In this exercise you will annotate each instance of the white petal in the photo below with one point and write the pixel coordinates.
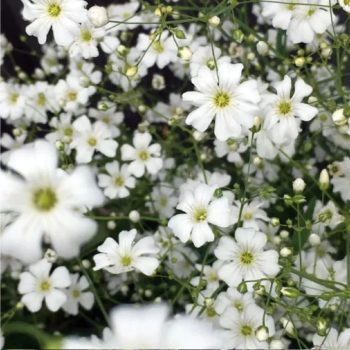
(182, 226)
(201, 117)
(201, 234)
(147, 265)
(55, 299)
(60, 277)
(33, 301)
(219, 212)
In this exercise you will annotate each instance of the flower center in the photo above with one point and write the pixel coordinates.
(54, 10)
(68, 131)
(310, 12)
(41, 101)
(291, 7)
(45, 286)
(284, 107)
(76, 293)
(143, 155)
(248, 215)
(85, 35)
(346, 2)
(221, 99)
(200, 214)
(246, 258)
(238, 306)
(126, 260)
(119, 181)
(246, 330)
(44, 199)
(325, 215)
(72, 96)
(158, 47)
(13, 98)
(92, 141)
(211, 312)
(163, 201)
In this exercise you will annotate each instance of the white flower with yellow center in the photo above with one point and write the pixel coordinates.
(200, 209)
(143, 155)
(63, 16)
(241, 327)
(245, 259)
(285, 112)
(12, 101)
(126, 255)
(77, 294)
(117, 182)
(38, 285)
(89, 138)
(47, 201)
(221, 95)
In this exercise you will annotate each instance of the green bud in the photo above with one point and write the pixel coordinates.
(179, 34)
(242, 287)
(290, 292)
(238, 35)
(321, 326)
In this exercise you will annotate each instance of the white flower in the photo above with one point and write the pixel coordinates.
(284, 112)
(201, 209)
(308, 21)
(71, 94)
(12, 101)
(345, 4)
(118, 181)
(245, 258)
(333, 340)
(326, 215)
(89, 138)
(233, 298)
(143, 155)
(126, 255)
(163, 201)
(63, 16)
(86, 41)
(77, 294)
(47, 201)
(232, 103)
(161, 51)
(98, 16)
(38, 285)
(242, 325)
(150, 327)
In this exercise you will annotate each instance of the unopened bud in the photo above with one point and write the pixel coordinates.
(324, 180)
(290, 292)
(298, 185)
(262, 48)
(98, 16)
(285, 252)
(214, 21)
(339, 118)
(314, 239)
(262, 333)
(134, 216)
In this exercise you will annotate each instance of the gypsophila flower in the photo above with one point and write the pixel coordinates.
(223, 97)
(38, 285)
(143, 156)
(244, 258)
(47, 201)
(126, 255)
(63, 16)
(200, 209)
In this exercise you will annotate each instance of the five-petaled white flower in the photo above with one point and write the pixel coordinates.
(143, 155)
(245, 258)
(221, 95)
(284, 112)
(63, 16)
(38, 285)
(201, 209)
(77, 294)
(48, 202)
(118, 181)
(126, 255)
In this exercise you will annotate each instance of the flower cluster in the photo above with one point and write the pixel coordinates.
(184, 153)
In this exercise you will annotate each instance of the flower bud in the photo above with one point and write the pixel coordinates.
(111, 225)
(285, 252)
(275, 222)
(262, 48)
(98, 16)
(288, 326)
(314, 239)
(262, 333)
(50, 255)
(299, 61)
(284, 234)
(134, 216)
(242, 288)
(214, 21)
(321, 326)
(324, 180)
(290, 292)
(298, 185)
(131, 71)
(339, 118)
